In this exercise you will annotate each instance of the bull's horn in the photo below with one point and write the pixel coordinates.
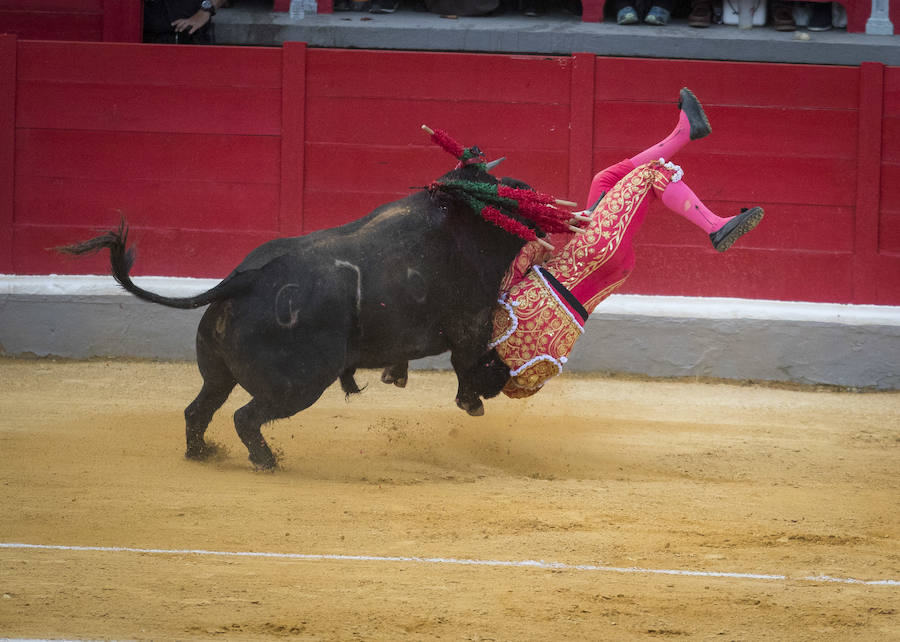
(492, 164)
(428, 130)
(559, 201)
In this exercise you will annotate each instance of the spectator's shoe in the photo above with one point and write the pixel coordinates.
(688, 103)
(384, 6)
(820, 18)
(657, 16)
(783, 18)
(724, 238)
(701, 14)
(627, 16)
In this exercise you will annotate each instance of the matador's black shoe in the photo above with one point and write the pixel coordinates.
(688, 103)
(724, 237)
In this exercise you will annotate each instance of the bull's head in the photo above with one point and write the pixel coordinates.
(525, 213)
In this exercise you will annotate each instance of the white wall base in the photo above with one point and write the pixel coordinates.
(812, 343)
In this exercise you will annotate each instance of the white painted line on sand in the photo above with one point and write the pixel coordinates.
(537, 564)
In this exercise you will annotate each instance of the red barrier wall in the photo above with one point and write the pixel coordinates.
(84, 20)
(245, 144)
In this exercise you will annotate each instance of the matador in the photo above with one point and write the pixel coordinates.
(547, 296)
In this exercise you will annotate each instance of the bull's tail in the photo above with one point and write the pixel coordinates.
(121, 259)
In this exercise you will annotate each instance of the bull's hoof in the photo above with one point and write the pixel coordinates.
(474, 408)
(389, 377)
(264, 462)
(201, 452)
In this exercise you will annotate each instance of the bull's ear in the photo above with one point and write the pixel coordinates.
(492, 164)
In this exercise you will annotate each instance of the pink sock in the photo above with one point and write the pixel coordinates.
(666, 148)
(679, 198)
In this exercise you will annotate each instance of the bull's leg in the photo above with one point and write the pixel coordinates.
(285, 382)
(198, 415)
(489, 376)
(466, 395)
(348, 383)
(218, 382)
(397, 374)
(248, 421)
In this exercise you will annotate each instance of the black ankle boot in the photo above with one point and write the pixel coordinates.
(724, 237)
(689, 104)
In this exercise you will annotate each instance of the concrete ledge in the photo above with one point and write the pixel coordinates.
(554, 33)
(810, 343)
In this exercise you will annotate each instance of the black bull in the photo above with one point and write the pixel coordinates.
(413, 278)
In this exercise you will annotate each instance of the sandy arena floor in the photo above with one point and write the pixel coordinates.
(626, 477)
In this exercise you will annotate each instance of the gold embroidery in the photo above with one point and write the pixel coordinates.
(545, 329)
(587, 252)
(546, 333)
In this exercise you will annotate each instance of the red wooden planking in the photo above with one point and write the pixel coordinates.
(547, 173)
(804, 182)
(8, 55)
(372, 169)
(889, 233)
(438, 76)
(799, 181)
(741, 273)
(75, 6)
(293, 150)
(884, 277)
(889, 220)
(130, 156)
(727, 83)
(333, 168)
(56, 26)
(761, 132)
(789, 228)
(581, 128)
(122, 21)
(143, 108)
(329, 209)
(890, 144)
(154, 65)
(868, 178)
(160, 251)
(182, 203)
(397, 121)
(890, 194)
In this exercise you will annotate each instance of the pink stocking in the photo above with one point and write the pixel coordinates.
(666, 148)
(679, 198)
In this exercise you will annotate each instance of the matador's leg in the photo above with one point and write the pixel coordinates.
(692, 124)
(723, 232)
